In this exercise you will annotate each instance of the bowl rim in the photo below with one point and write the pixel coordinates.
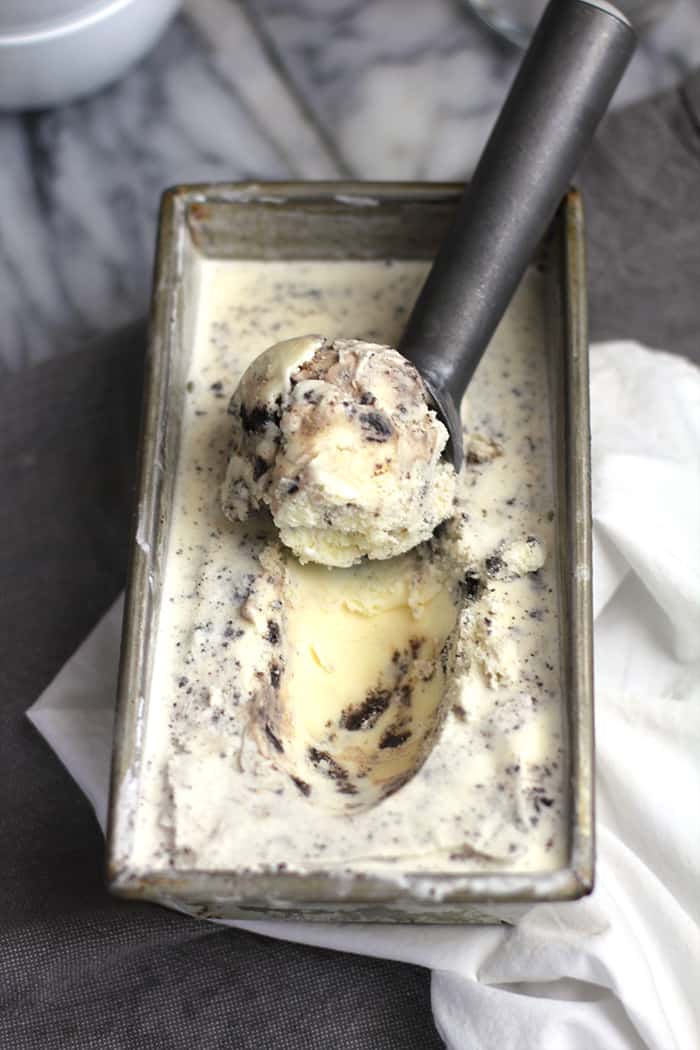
(87, 15)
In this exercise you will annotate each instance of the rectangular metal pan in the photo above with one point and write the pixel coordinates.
(343, 220)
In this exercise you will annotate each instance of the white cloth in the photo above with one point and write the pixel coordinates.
(620, 969)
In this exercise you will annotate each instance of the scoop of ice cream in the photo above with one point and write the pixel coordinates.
(338, 440)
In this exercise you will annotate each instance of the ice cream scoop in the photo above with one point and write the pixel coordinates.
(343, 441)
(337, 439)
(566, 80)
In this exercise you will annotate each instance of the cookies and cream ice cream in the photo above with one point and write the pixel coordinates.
(372, 646)
(337, 439)
(394, 716)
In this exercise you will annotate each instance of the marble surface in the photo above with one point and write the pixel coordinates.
(278, 88)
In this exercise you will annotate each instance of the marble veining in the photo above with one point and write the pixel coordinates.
(412, 88)
(234, 90)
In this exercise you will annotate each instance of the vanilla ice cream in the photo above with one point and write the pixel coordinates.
(337, 439)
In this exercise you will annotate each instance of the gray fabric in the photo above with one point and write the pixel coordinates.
(78, 969)
(641, 184)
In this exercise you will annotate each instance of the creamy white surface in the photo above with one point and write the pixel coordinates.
(491, 795)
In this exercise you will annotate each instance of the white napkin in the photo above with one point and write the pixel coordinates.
(619, 969)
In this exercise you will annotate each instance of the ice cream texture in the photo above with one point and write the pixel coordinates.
(391, 716)
(336, 437)
(363, 658)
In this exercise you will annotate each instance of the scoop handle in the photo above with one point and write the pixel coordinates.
(566, 80)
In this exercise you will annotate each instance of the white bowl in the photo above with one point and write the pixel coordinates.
(52, 51)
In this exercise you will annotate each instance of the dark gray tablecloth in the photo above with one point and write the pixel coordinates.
(79, 969)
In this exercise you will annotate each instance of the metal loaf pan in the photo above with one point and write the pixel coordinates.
(347, 220)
